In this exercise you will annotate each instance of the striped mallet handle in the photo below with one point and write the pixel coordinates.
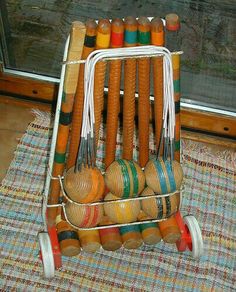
(102, 42)
(110, 237)
(89, 45)
(157, 39)
(169, 228)
(130, 40)
(144, 92)
(131, 236)
(77, 36)
(172, 28)
(89, 239)
(67, 236)
(113, 103)
(150, 231)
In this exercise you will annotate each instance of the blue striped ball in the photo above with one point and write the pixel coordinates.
(163, 176)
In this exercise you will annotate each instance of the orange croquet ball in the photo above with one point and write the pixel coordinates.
(125, 178)
(84, 186)
(121, 212)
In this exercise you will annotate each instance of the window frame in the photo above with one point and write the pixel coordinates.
(36, 89)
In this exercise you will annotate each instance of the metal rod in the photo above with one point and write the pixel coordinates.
(122, 58)
(116, 225)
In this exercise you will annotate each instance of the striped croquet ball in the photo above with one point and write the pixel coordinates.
(121, 212)
(84, 216)
(159, 208)
(163, 176)
(125, 178)
(84, 186)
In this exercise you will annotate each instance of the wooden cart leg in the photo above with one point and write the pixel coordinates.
(55, 246)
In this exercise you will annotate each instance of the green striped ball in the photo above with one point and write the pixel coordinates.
(125, 178)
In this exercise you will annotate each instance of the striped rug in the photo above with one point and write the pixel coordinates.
(209, 195)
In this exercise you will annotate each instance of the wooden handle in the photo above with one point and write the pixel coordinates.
(99, 81)
(157, 39)
(110, 237)
(150, 231)
(170, 230)
(113, 104)
(77, 35)
(89, 240)
(89, 45)
(102, 42)
(173, 44)
(172, 22)
(176, 77)
(144, 92)
(131, 236)
(68, 239)
(130, 40)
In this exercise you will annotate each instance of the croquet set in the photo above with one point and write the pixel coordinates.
(114, 174)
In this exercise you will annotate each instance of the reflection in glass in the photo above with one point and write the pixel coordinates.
(34, 32)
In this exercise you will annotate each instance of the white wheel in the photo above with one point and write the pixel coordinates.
(47, 254)
(196, 235)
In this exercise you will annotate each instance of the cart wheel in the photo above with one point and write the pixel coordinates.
(47, 254)
(196, 245)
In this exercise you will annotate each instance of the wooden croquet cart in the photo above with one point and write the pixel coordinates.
(75, 56)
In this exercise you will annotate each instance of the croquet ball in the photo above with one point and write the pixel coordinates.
(163, 176)
(159, 208)
(83, 215)
(84, 186)
(125, 178)
(121, 212)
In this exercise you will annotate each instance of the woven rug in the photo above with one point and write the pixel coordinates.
(209, 195)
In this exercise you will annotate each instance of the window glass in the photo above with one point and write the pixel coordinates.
(33, 34)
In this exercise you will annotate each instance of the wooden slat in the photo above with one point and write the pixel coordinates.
(25, 103)
(214, 140)
(46, 91)
(36, 89)
(208, 122)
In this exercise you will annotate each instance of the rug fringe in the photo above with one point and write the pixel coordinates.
(44, 117)
(201, 150)
(42, 114)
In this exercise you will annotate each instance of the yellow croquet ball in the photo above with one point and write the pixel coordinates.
(121, 212)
